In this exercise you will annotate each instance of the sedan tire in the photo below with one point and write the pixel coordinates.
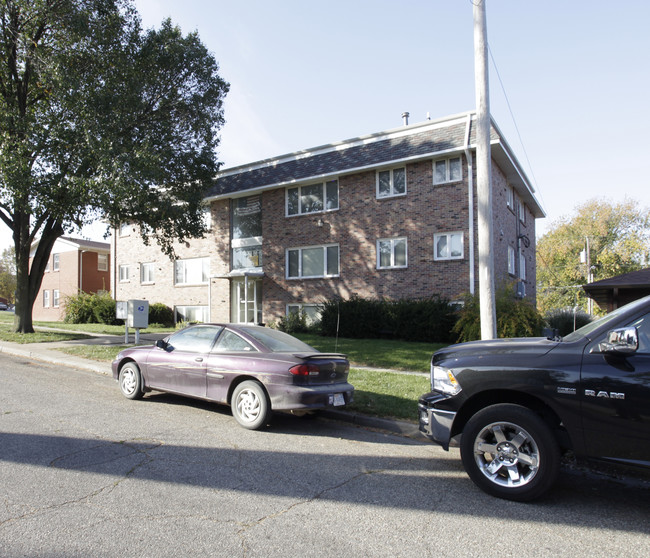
(510, 452)
(130, 381)
(250, 405)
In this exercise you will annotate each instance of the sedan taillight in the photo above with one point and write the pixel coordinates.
(305, 370)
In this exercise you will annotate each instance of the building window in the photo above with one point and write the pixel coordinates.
(313, 198)
(314, 261)
(510, 198)
(511, 261)
(448, 246)
(147, 272)
(194, 271)
(312, 312)
(391, 253)
(522, 211)
(391, 183)
(522, 267)
(46, 299)
(56, 262)
(55, 298)
(207, 218)
(191, 313)
(247, 256)
(447, 170)
(124, 273)
(102, 262)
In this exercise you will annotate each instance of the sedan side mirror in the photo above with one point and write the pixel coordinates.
(162, 344)
(624, 341)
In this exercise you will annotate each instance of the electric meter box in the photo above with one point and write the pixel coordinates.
(137, 315)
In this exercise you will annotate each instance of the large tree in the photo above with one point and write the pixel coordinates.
(100, 119)
(618, 235)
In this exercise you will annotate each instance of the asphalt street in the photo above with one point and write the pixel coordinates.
(86, 472)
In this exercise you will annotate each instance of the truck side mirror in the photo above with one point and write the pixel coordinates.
(623, 341)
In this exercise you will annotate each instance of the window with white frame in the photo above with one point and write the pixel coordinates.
(55, 298)
(191, 313)
(511, 261)
(46, 299)
(207, 217)
(391, 182)
(147, 271)
(448, 246)
(391, 253)
(312, 311)
(522, 267)
(313, 261)
(124, 273)
(56, 259)
(447, 170)
(510, 198)
(522, 211)
(102, 262)
(313, 198)
(194, 271)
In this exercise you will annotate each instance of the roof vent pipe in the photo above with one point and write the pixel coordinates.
(405, 118)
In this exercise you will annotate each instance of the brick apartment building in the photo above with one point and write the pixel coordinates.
(74, 265)
(391, 215)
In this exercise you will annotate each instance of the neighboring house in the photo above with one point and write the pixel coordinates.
(615, 292)
(74, 265)
(389, 215)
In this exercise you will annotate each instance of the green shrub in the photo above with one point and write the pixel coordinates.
(516, 317)
(104, 309)
(295, 322)
(160, 313)
(79, 309)
(90, 308)
(566, 320)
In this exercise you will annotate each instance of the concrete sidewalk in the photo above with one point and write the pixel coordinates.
(47, 352)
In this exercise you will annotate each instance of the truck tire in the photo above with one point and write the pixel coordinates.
(510, 452)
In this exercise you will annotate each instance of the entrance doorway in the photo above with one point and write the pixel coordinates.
(246, 301)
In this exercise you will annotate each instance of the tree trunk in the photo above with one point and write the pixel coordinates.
(29, 278)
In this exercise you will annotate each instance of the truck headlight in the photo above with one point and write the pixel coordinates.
(444, 381)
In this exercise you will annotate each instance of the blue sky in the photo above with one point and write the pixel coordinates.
(304, 74)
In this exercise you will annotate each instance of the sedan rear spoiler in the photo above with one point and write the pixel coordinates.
(307, 356)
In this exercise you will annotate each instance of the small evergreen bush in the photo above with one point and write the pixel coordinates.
(90, 308)
(295, 322)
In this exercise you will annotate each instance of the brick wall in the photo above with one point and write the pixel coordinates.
(356, 226)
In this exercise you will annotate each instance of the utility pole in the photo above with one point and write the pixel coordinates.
(484, 175)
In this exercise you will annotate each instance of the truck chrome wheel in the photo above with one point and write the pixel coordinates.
(510, 452)
(506, 454)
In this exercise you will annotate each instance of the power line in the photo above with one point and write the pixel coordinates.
(521, 141)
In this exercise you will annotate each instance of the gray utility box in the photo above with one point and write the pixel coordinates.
(135, 312)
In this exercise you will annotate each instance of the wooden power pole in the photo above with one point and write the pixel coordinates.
(484, 175)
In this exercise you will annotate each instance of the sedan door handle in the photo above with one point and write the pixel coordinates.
(199, 359)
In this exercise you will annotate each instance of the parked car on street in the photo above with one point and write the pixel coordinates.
(515, 405)
(256, 370)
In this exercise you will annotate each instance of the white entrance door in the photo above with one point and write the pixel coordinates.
(246, 297)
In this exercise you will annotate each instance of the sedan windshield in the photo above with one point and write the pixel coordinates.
(277, 341)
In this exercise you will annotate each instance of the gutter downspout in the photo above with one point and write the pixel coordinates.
(470, 198)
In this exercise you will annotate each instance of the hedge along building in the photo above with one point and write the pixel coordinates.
(387, 215)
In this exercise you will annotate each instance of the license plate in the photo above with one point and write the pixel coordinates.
(338, 400)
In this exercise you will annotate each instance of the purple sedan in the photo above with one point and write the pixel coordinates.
(256, 370)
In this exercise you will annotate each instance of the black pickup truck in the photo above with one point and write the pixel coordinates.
(516, 405)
